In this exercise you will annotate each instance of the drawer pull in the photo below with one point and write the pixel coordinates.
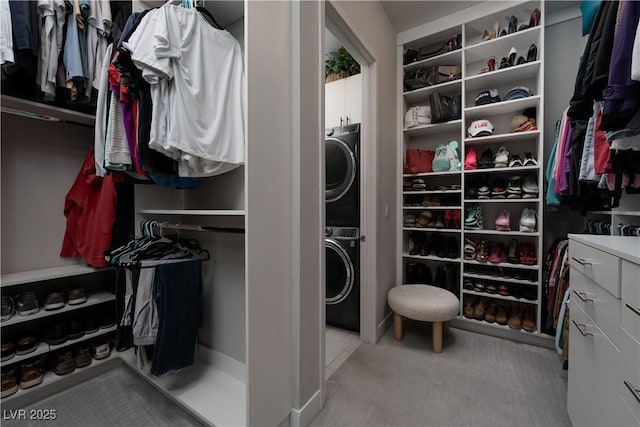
(582, 296)
(578, 325)
(634, 309)
(633, 390)
(582, 261)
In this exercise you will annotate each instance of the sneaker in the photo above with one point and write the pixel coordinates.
(503, 222)
(483, 189)
(57, 333)
(498, 189)
(9, 381)
(529, 187)
(107, 318)
(27, 304)
(61, 363)
(473, 221)
(486, 159)
(100, 349)
(514, 190)
(409, 221)
(26, 345)
(75, 328)
(90, 325)
(529, 160)
(514, 160)
(528, 220)
(31, 373)
(82, 356)
(502, 158)
(7, 308)
(8, 351)
(54, 301)
(77, 296)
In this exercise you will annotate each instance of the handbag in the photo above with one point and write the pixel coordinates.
(439, 48)
(443, 73)
(447, 157)
(444, 108)
(418, 161)
(417, 116)
(415, 80)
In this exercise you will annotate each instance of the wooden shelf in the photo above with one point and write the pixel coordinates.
(514, 106)
(498, 279)
(19, 278)
(200, 212)
(498, 296)
(36, 110)
(93, 299)
(434, 129)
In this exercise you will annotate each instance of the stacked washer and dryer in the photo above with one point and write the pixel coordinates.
(342, 235)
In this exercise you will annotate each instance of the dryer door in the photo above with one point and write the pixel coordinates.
(340, 168)
(340, 272)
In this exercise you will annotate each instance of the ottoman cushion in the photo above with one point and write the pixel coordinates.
(424, 302)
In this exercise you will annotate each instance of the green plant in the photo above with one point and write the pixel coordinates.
(342, 64)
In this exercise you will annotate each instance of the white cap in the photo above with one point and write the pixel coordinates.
(480, 128)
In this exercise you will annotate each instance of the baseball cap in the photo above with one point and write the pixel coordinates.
(521, 123)
(480, 128)
(487, 97)
(517, 92)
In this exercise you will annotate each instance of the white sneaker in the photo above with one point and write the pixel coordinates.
(529, 187)
(502, 158)
(528, 220)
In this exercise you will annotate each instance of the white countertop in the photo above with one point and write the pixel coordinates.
(624, 247)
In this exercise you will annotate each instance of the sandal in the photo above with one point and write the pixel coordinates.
(495, 257)
(481, 251)
(469, 249)
(513, 256)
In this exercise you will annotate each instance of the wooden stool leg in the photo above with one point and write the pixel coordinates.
(437, 337)
(445, 329)
(397, 326)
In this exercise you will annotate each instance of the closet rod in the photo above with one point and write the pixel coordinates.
(190, 227)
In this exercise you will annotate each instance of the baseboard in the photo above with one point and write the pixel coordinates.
(231, 366)
(305, 415)
(540, 340)
(384, 326)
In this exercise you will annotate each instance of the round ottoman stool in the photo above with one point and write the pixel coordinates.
(425, 303)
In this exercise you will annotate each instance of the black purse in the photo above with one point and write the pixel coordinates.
(443, 74)
(415, 80)
(444, 108)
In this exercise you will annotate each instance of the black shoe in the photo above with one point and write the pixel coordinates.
(452, 248)
(411, 273)
(424, 273)
(440, 279)
(57, 333)
(532, 55)
(27, 304)
(25, 345)
(8, 351)
(453, 281)
(486, 159)
(7, 308)
(75, 328)
(107, 318)
(90, 325)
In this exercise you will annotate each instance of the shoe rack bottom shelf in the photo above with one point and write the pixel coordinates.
(485, 328)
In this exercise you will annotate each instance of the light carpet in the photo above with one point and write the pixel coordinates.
(477, 380)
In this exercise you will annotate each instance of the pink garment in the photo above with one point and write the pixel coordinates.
(611, 181)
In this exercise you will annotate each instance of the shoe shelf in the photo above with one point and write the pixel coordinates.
(41, 349)
(503, 233)
(85, 337)
(503, 138)
(196, 212)
(19, 278)
(433, 208)
(515, 74)
(425, 174)
(503, 264)
(500, 46)
(448, 58)
(438, 230)
(431, 258)
(434, 129)
(502, 200)
(422, 95)
(498, 279)
(499, 326)
(505, 170)
(514, 106)
(93, 299)
(498, 296)
(409, 193)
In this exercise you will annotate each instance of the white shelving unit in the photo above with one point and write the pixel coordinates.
(472, 57)
(13, 279)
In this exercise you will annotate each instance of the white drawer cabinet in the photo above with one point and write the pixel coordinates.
(604, 337)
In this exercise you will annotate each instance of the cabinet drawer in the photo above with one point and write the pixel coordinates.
(597, 303)
(631, 299)
(601, 267)
(594, 373)
(630, 373)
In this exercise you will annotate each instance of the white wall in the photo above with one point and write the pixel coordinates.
(370, 24)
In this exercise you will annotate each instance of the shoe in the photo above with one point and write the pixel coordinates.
(8, 351)
(56, 334)
(513, 255)
(9, 381)
(486, 159)
(515, 319)
(91, 324)
(503, 290)
(100, 349)
(455, 217)
(416, 240)
(26, 345)
(409, 221)
(480, 308)
(520, 60)
(513, 24)
(504, 63)
(529, 318)
(54, 301)
(435, 201)
(491, 288)
(478, 287)
(529, 187)
(501, 314)
(27, 304)
(31, 373)
(473, 220)
(514, 161)
(467, 284)
(423, 219)
(107, 318)
(77, 296)
(503, 32)
(499, 188)
(75, 328)
(469, 249)
(61, 363)
(486, 36)
(497, 254)
(503, 222)
(6, 305)
(426, 200)
(438, 243)
(424, 274)
(502, 158)
(452, 250)
(483, 189)
(495, 30)
(491, 63)
(514, 190)
(439, 220)
(529, 160)
(481, 251)
(82, 356)
(470, 302)
(513, 53)
(534, 20)
(528, 220)
(411, 273)
(490, 315)
(532, 54)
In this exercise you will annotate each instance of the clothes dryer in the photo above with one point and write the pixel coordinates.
(342, 247)
(342, 190)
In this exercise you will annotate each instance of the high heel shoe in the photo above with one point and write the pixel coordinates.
(534, 20)
(504, 63)
(512, 56)
(532, 55)
(513, 24)
(491, 63)
(496, 30)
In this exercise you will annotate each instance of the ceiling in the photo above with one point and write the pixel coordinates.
(409, 14)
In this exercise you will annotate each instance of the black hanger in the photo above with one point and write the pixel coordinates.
(209, 17)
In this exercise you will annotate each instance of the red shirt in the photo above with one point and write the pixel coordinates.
(90, 209)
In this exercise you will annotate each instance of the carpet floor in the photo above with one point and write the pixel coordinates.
(477, 380)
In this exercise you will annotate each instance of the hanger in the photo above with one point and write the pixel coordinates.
(209, 17)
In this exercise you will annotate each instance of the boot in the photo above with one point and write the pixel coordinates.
(470, 302)
(490, 315)
(411, 273)
(440, 279)
(515, 320)
(417, 242)
(529, 318)
(480, 309)
(501, 314)
(425, 275)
